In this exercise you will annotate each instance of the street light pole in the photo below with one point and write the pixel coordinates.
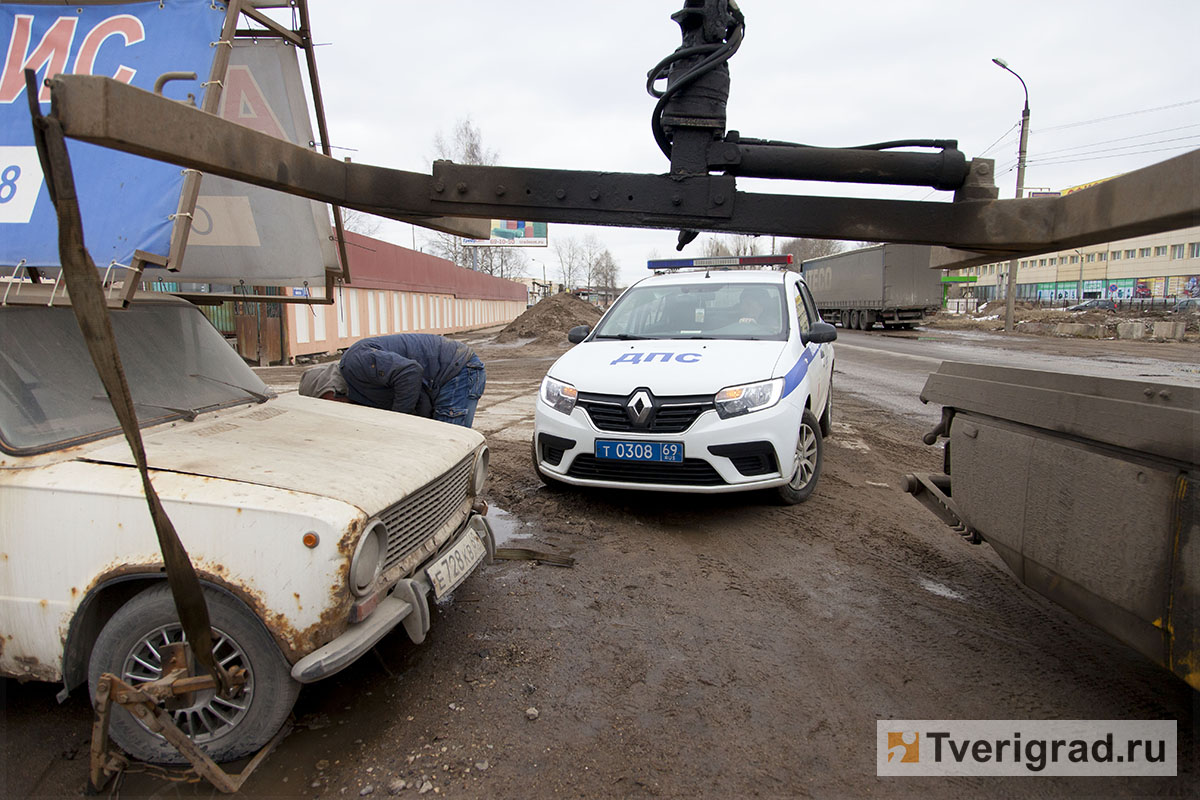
(1022, 148)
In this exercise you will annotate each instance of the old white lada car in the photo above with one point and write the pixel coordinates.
(698, 379)
(315, 527)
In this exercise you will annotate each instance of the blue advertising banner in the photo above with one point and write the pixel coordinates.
(127, 202)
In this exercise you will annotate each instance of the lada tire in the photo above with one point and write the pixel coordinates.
(225, 729)
(807, 466)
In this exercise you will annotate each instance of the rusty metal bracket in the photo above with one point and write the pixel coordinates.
(146, 703)
(1157, 198)
(933, 492)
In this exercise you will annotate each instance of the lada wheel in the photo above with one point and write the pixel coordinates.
(130, 647)
(807, 467)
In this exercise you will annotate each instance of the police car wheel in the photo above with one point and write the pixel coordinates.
(806, 469)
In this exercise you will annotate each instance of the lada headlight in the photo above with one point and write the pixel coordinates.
(479, 478)
(558, 395)
(734, 401)
(368, 558)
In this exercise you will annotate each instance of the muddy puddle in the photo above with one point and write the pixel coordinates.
(506, 527)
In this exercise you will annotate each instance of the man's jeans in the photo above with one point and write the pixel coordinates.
(457, 400)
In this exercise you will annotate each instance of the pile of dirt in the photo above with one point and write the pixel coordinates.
(549, 320)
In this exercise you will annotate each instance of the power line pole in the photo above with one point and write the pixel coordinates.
(1022, 149)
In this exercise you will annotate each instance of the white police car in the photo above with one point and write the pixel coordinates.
(708, 380)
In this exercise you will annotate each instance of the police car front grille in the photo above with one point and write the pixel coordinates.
(422, 514)
(692, 472)
(608, 414)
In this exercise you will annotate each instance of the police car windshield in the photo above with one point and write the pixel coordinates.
(711, 310)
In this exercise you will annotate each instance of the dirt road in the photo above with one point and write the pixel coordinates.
(710, 647)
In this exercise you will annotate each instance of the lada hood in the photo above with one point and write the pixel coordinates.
(668, 366)
(364, 456)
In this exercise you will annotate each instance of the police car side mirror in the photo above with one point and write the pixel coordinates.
(580, 332)
(819, 333)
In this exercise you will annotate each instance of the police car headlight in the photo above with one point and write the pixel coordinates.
(558, 395)
(736, 400)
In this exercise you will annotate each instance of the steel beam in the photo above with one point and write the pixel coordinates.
(1162, 197)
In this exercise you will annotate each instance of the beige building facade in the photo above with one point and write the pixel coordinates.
(1161, 266)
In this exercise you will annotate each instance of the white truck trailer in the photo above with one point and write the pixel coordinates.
(889, 283)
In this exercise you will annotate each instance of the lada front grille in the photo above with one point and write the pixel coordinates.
(670, 414)
(419, 516)
(692, 472)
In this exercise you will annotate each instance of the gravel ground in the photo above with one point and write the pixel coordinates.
(699, 647)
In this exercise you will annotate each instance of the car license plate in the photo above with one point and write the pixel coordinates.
(449, 570)
(640, 451)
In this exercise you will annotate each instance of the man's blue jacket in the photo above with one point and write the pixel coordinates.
(403, 372)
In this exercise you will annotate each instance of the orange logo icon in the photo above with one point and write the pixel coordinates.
(904, 747)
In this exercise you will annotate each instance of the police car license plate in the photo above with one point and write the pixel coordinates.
(640, 451)
(450, 570)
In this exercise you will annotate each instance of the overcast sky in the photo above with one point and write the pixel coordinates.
(553, 83)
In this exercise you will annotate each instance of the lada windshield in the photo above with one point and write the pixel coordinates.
(698, 311)
(176, 363)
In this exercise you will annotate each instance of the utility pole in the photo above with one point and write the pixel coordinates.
(1022, 149)
(1079, 287)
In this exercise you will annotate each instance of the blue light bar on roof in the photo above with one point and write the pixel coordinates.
(719, 261)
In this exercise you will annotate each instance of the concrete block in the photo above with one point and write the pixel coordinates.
(1041, 328)
(1078, 329)
(1131, 330)
(1169, 330)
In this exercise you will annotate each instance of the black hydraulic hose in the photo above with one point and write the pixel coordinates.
(719, 56)
(941, 144)
(659, 71)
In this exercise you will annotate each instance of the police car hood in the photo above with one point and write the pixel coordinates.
(668, 366)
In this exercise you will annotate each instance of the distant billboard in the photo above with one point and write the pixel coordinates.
(513, 233)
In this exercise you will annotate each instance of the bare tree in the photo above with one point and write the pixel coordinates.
(465, 146)
(503, 262)
(713, 247)
(804, 249)
(606, 273)
(590, 251)
(360, 222)
(571, 266)
(725, 244)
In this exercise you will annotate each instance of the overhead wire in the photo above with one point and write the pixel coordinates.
(1118, 116)
(1003, 136)
(1123, 139)
(1053, 162)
